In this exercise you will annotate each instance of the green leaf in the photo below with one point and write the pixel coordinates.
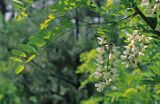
(29, 1)
(19, 53)
(27, 48)
(16, 59)
(107, 4)
(18, 2)
(18, 7)
(45, 35)
(31, 58)
(19, 69)
(37, 41)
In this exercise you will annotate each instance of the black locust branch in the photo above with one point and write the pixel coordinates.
(150, 23)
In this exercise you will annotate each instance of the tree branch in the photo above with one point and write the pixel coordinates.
(150, 24)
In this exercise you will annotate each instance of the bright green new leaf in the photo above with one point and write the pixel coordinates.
(24, 14)
(19, 53)
(16, 59)
(37, 41)
(31, 58)
(19, 69)
(108, 4)
(18, 17)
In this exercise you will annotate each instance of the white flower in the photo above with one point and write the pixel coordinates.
(99, 68)
(145, 2)
(100, 86)
(114, 76)
(127, 65)
(114, 49)
(114, 88)
(132, 41)
(148, 39)
(123, 57)
(106, 75)
(100, 50)
(144, 47)
(98, 74)
(107, 47)
(100, 59)
(109, 79)
(136, 32)
(140, 53)
(134, 49)
(124, 62)
(110, 56)
(130, 57)
(114, 70)
(126, 52)
(101, 40)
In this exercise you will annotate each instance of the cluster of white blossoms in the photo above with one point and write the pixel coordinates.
(106, 70)
(144, 2)
(147, 2)
(134, 49)
(152, 8)
(108, 58)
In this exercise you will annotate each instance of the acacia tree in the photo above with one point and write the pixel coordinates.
(127, 58)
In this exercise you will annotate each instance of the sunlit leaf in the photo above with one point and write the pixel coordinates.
(31, 58)
(18, 17)
(107, 4)
(19, 69)
(51, 16)
(16, 59)
(24, 14)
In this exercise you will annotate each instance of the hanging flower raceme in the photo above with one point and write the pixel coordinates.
(134, 49)
(106, 61)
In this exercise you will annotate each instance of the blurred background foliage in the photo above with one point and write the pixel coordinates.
(49, 79)
(63, 71)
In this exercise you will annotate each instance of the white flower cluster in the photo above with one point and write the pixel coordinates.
(106, 65)
(152, 8)
(147, 2)
(144, 2)
(134, 49)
